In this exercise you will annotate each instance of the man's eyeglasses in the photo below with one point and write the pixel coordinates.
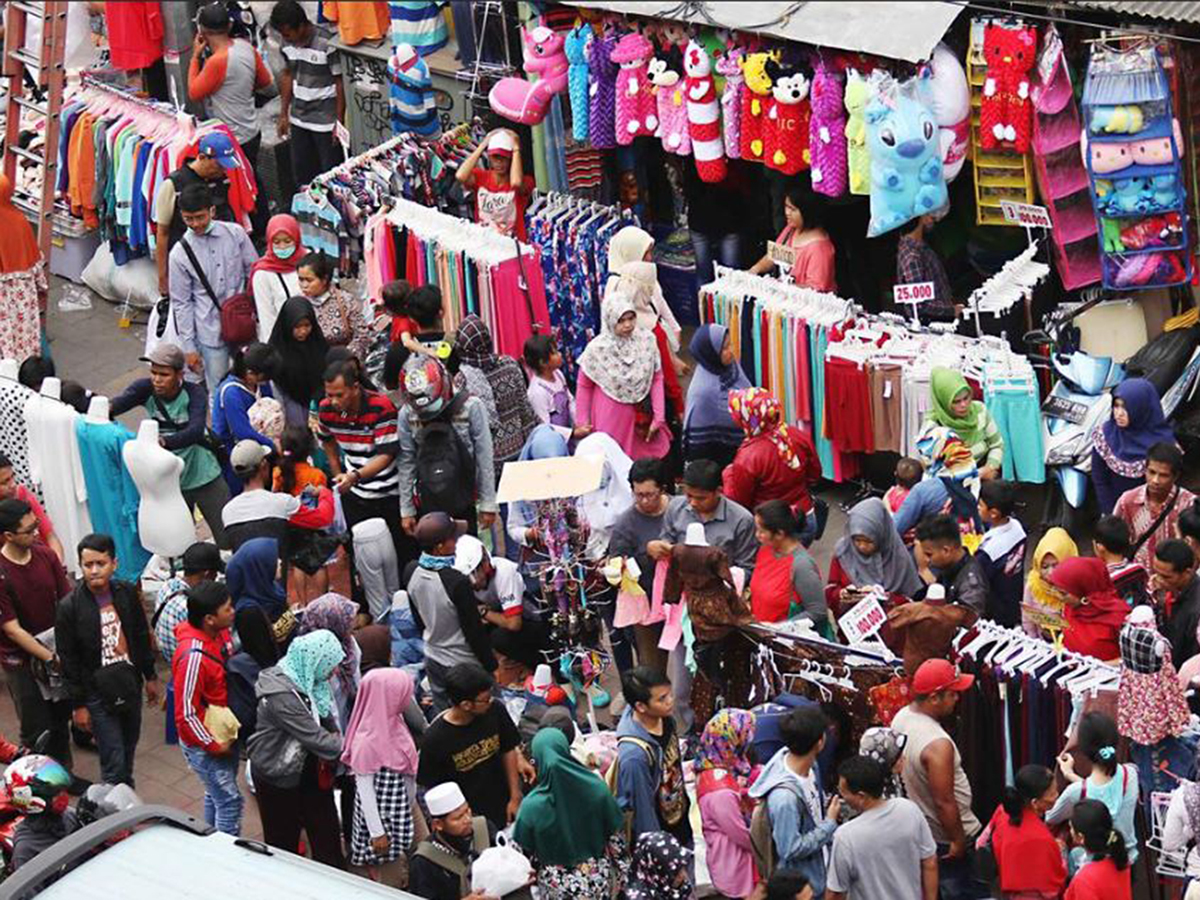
(32, 529)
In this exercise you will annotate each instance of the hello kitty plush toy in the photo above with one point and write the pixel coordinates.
(666, 74)
(1005, 113)
(637, 109)
(704, 114)
(730, 65)
(827, 134)
(786, 128)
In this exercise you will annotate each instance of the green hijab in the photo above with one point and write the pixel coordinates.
(945, 385)
(571, 814)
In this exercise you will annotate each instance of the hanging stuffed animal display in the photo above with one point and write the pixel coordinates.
(754, 104)
(827, 133)
(1005, 113)
(858, 156)
(786, 126)
(704, 114)
(602, 93)
(523, 101)
(576, 48)
(637, 111)
(730, 66)
(906, 167)
(943, 87)
(666, 74)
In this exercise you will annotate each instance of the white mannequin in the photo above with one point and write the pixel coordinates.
(52, 388)
(97, 413)
(164, 523)
(9, 369)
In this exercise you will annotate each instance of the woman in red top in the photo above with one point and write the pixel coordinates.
(1093, 609)
(776, 461)
(1107, 875)
(1028, 858)
(786, 582)
(805, 235)
(502, 190)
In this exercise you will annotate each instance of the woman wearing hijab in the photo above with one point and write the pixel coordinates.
(620, 386)
(1093, 609)
(259, 651)
(954, 408)
(569, 825)
(252, 577)
(709, 431)
(23, 287)
(1119, 445)
(870, 553)
(335, 613)
(632, 271)
(723, 765)
(777, 461)
(381, 754)
(273, 278)
(660, 869)
(301, 345)
(293, 749)
(514, 417)
(1055, 547)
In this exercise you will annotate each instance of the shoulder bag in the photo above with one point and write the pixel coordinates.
(239, 321)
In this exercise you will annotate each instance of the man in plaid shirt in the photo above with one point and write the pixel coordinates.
(201, 562)
(916, 262)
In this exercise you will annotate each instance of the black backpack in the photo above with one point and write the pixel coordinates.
(445, 469)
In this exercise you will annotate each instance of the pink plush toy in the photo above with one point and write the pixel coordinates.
(786, 125)
(637, 109)
(704, 114)
(730, 65)
(827, 134)
(523, 101)
(666, 74)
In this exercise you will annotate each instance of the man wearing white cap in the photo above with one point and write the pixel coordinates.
(441, 865)
(502, 190)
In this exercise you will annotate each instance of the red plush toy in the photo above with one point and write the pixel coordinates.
(1005, 113)
(1155, 231)
(786, 127)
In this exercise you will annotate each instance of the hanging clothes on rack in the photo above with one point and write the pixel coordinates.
(572, 236)
(55, 466)
(112, 496)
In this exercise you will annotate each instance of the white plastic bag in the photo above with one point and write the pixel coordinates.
(98, 273)
(500, 870)
(160, 329)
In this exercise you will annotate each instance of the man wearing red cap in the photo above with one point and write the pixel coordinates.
(934, 777)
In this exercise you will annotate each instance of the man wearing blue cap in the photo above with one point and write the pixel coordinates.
(215, 155)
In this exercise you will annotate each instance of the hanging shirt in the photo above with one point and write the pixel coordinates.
(14, 440)
(135, 33)
(419, 23)
(112, 496)
(358, 21)
(54, 464)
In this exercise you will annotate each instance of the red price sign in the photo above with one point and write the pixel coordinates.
(1025, 214)
(914, 292)
(863, 620)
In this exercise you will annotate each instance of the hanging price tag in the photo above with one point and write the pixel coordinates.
(862, 620)
(342, 134)
(1026, 214)
(913, 292)
(781, 254)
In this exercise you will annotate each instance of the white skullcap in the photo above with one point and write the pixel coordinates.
(444, 799)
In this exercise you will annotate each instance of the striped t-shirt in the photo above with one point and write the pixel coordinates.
(419, 23)
(315, 69)
(362, 435)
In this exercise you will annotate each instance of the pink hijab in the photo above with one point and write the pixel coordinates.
(377, 737)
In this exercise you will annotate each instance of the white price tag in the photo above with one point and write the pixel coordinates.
(781, 253)
(913, 292)
(1026, 214)
(342, 133)
(862, 620)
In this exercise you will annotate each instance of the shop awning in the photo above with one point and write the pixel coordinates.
(1173, 10)
(907, 31)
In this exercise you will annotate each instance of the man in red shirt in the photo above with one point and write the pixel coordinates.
(198, 674)
(502, 190)
(11, 489)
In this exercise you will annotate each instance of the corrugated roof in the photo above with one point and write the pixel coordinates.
(907, 31)
(1174, 10)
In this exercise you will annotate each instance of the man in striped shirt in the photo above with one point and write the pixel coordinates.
(358, 432)
(311, 93)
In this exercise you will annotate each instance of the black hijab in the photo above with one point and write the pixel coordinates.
(302, 363)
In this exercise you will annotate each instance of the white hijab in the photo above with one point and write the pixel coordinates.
(629, 272)
(622, 367)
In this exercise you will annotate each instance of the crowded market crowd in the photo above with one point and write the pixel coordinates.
(343, 639)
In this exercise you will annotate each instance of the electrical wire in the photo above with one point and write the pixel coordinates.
(1124, 29)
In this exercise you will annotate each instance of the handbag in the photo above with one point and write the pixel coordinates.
(239, 321)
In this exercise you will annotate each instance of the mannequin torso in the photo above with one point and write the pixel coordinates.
(165, 525)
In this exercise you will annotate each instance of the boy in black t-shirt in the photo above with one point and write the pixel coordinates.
(474, 744)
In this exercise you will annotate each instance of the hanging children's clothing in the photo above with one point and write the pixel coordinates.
(1151, 704)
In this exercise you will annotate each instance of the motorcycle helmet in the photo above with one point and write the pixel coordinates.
(36, 783)
(427, 385)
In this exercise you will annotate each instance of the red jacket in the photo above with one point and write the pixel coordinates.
(198, 673)
(758, 472)
(1101, 881)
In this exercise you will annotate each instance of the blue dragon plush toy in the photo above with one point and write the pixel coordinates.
(906, 166)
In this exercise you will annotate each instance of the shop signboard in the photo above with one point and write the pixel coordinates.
(1026, 214)
(862, 620)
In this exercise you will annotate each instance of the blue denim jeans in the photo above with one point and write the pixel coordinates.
(727, 250)
(116, 733)
(216, 366)
(222, 797)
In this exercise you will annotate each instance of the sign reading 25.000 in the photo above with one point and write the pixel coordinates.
(913, 292)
